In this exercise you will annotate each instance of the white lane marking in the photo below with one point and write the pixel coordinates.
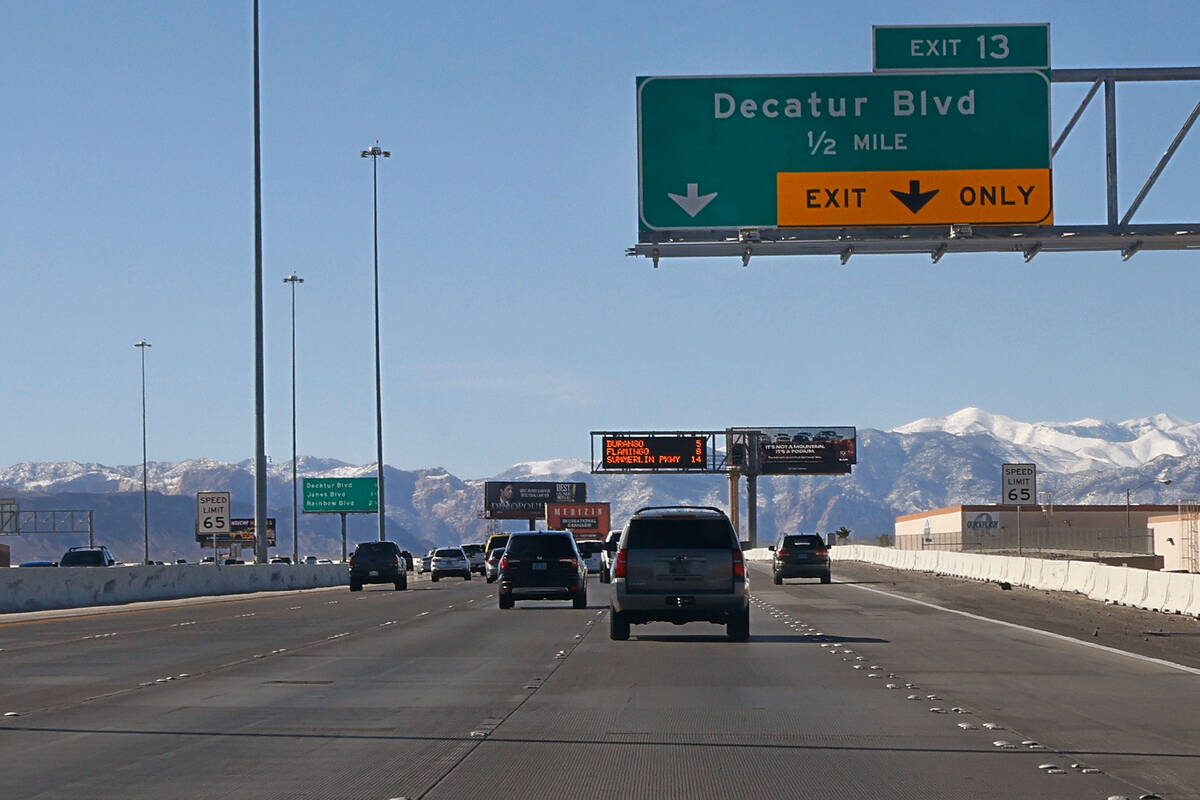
(423, 613)
(1052, 635)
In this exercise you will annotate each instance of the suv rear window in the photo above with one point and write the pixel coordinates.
(448, 552)
(540, 544)
(809, 540)
(376, 549)
(590, 548)
(472, 549)
(679, 534)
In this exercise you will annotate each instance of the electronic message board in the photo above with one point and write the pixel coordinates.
(804, 451)
(662, 453)
(528, 499)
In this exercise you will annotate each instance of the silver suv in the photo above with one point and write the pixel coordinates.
(679, 564)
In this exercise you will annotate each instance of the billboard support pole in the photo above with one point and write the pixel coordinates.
(735, 513)
(532, 524)
(343, 516)
(752, 510)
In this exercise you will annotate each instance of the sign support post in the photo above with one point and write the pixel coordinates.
(342, 514)
(752, 510)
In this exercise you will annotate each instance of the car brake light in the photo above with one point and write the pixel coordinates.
(504, 561)
(574, 562)
(395, 561)
(618, 570)
(352, 561)
(739, 565)
(822, 552)
(783, 553)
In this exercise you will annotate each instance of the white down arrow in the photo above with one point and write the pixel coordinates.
(692, 202)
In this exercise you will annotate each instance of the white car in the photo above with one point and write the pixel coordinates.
(424, 561)
(449, 561)
(592, 554)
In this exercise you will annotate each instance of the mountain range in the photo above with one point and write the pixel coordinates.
(929, 463)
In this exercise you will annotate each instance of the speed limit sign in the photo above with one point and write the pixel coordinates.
(1018, 484)
(212, 513)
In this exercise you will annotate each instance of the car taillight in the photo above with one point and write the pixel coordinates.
(395, 561)
(618, 570)
(574, 562)
(504, 562)
(783, 553)
(822, 552)
(739, 565)
(352, 561)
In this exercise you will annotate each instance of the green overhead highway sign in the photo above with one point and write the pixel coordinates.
(941, 47)
(332, 495)
(787, 150)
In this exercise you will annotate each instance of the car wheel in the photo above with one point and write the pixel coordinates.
(491, 580)
(433, 576)
(738, 629)
(618, 627)
(467, 575)
(826, 578)
(506, 602)
(355, 587)
(401, 585)
(580, 599)
(778, 579)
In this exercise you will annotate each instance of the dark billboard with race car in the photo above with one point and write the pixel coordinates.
(804, 451)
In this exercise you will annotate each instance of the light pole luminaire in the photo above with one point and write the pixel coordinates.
(293, 279)
(374, 153)
(142, 345)
(1128, 494)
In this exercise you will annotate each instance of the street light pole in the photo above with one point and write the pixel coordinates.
(142, 345)
(374, 153)
(1128, 494)
(293, 279)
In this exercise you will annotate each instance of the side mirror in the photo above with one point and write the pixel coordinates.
(744, 544)
(771, 548)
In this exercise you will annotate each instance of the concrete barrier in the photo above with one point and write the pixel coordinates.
(32, 589)
(1169, 592)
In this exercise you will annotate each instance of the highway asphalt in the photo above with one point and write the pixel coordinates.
(436, 693)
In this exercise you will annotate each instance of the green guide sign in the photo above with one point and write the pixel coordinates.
(332, 495)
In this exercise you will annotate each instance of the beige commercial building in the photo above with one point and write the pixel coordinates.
(1094, 530)
(1177, 540)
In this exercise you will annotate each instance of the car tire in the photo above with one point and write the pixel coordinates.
(506, 602)
(433, 577)
(401, 585)
(826, 578)
(618, 627)
(580, 599)
(467, 575)
(778, 579)
(490, 580)
(738, 628)
(355, 586)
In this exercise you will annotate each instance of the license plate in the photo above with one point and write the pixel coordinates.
(681, 601)
(539, 565)
(374, 573)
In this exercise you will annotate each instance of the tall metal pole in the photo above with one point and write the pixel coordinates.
(293, 279)
(142, 345)
(374, 154)
(260, 439)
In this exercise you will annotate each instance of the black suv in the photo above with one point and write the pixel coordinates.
(88, 557)
(801, 555)
(679, 564)
(543, 565)
(377, 562)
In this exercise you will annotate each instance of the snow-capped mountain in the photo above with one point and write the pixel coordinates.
(929, 463)
(1071, 446)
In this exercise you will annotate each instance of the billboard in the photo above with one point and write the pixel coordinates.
(657, 452)
(528, 499)
(585, 520)
(804, 451)
(241, 531)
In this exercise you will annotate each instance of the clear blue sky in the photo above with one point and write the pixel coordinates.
(513, 323)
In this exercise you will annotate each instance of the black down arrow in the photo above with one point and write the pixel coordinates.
(914, 199)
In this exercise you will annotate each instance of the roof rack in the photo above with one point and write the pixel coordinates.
(679, 508)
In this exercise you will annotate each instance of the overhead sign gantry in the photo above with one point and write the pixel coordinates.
(945, 147)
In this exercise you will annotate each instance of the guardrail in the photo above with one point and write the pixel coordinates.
(1169, 592)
